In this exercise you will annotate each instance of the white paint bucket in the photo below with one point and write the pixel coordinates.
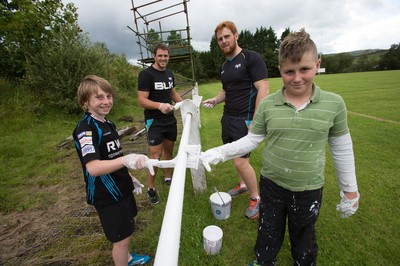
(221, 205)
(212, 239)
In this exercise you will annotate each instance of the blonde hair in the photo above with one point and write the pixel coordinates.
(225, 24)
(295, 45)
(89, 86)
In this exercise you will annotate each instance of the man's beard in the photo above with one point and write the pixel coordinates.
(230, 51)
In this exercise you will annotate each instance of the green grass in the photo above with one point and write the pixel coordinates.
(41, 186)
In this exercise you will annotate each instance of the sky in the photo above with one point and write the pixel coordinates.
(335, 26)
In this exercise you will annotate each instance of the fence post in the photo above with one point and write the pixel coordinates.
(198, 174)
(188, 156)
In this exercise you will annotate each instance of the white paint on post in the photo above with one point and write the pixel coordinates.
(198, 174)
(169, 241)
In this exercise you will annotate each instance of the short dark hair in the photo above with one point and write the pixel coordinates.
(160, 46)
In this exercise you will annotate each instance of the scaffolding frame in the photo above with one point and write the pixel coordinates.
(180, 48)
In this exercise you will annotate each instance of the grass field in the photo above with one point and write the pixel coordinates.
(45, 220)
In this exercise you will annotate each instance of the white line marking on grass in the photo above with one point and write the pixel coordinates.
(374, 117)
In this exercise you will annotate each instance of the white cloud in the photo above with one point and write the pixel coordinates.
(336, 26)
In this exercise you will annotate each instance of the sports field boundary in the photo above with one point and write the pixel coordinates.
(375, 118)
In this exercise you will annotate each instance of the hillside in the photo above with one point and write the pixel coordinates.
(357, 53)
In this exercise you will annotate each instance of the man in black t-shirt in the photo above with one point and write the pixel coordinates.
(156, 94)
(244, 84)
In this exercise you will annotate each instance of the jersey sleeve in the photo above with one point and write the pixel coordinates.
(86, 143)
(145, 81)
(257, 67)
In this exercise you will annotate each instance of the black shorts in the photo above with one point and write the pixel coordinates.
(234, 128)
(117, 220)
(160, 129)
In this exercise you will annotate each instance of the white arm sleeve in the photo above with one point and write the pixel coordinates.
(240, 147)
(343, 160)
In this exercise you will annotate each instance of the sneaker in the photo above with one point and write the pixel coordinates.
(138, 259)
(253, 209)
(254, 263)
(167, 181)
(151, 192)
(236, 191)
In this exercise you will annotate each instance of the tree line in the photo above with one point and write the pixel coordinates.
(42, 46)
(266, 43)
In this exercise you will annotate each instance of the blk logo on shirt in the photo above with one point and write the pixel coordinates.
(163, 86)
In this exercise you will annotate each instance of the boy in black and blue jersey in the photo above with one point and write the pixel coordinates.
(109, 184)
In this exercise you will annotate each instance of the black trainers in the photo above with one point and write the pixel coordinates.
(153, 197)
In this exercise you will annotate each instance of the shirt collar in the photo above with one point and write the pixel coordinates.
(280, 99)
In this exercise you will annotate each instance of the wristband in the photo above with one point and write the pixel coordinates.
(159, 107)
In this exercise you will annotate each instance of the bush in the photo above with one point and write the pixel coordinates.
(55, 72)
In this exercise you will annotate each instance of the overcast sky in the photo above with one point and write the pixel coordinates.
(335, 26)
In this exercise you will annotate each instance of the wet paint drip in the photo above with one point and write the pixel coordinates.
(314, 208)
(294, 205)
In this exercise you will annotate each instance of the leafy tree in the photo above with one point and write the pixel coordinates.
(180, 61)
(174, 39)
(391, 60)
(203, 71)
(56, 71)
(217, 58)
(270, 52)
(345, 62)
(264, 41)
(27, 26)
(261, 40)
(366, 62)
(284, 34)
(338, 63)
(330, 64)
(247, 40)
(152, 39)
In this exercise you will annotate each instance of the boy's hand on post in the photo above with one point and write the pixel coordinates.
(139, 161)
(135, 161)
(348, 204)
(150, 165)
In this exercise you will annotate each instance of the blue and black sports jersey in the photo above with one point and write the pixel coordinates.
(238, 76)
(96, 140)
(159, 85)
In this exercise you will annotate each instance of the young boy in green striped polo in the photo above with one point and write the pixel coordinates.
(297, 122)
